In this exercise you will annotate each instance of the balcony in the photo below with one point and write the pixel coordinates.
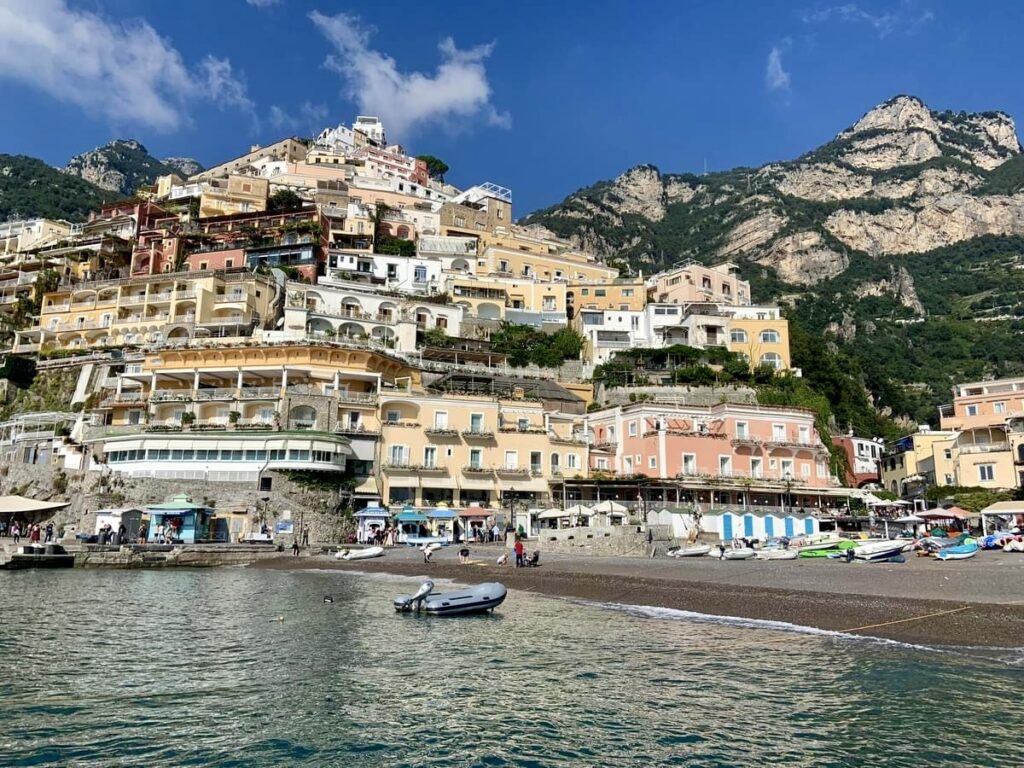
(748, 441)
(216, 394)
(171, 395)
(608, 446)
(472, 469)
(160, 297)
(514, 471)
(443, 432)
(227, 298)
(259, 393)
(357, 398)
(984, 448)
(356, 430)
(404, 424)
(477, 434)
(570, 440)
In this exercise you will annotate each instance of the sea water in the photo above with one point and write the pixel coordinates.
(250, 667)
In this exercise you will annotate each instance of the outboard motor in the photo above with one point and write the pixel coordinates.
(413, 602)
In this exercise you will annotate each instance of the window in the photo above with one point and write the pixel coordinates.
(476, 422)
(632, 429)
(986, 472)
(549, 304)
(769, 336)
(627, 293)
(522, 424)
(787, 468)
(392, 271)
(430, 456)
(948, 453)
(652, 462)
(460, 221)
(756, 467)
(585, 292)
(628, 465)
(420, 274)
(511, 459)
(999, 407)
(772, 360)
(972, 410)
(555, 469)
(229, 263)
(634, 323)
(689, 464)
(822, 469)
(476, 458)
(738, 337)
(602, 463)
(741, 429)
(600, 292)
(805, 435)
(440, 419)
(397, 455)
(805, 469)
(725, 465)
(572, 461)
(779, 432)
(536, 462)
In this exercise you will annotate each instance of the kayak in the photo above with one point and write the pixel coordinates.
(689, 551)
(360, 554)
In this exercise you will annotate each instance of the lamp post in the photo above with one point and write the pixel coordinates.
(511, 495)
(789, 492)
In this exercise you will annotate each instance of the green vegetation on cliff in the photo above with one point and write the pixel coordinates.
(30, 188)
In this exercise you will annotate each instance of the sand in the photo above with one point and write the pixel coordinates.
(978, 602)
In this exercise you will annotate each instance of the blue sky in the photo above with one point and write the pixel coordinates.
(541, 97)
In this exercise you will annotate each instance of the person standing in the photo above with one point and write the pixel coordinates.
(16, 531)
(159, 538)
(49, 533)
(519, 549)
(305, 536)
(34, 534)
(295, 548)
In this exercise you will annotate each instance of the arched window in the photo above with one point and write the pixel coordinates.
(772, 359)
(555, 467)
(403, 232)
(738, 336)
(769, 336)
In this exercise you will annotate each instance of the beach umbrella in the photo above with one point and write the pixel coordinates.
(610, 506)
(554, 513)
(579, 510)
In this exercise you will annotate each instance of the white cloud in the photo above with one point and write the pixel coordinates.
(775, 77)
(122, 71)
(456, 93)
(311, 118)
(902, 18)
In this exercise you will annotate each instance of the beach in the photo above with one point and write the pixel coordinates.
(971, 603)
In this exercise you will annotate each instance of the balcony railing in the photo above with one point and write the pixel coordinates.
(471, 469)
(441, 432)
(984, 448)
(477, 434)
(513, 470)
(258, 393)
(227, 393)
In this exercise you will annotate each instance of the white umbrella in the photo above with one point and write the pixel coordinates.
(909, 519)
(552, 514)
(610, 506)
(580, 510)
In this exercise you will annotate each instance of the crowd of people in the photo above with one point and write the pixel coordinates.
(35, 533)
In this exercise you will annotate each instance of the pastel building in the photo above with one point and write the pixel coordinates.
(163, 309)
(690, 281)
(751, 470)
(863, 459)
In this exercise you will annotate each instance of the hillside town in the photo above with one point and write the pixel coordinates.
(324, 312)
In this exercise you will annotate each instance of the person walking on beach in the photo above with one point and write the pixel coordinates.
(160, 534)
(16, 532)
(34, 534)
(519, 550)
(295, 548)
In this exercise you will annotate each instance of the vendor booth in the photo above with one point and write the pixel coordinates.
(183, 521)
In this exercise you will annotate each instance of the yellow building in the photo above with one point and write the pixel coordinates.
(486, 450)
(236, 194)
(489, 298)
(169, 308)
(760, 335)
(622, 294)
(909, 465)
(290, 150)
(506, 262)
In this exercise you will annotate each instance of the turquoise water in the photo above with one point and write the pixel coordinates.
(151, 668)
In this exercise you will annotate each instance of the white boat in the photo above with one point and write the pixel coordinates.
(480, 598)
(776, 554)
(880, 549)
(359, 554)
(689, 551)
(815, 542)
(1014, 545)
(740, 553)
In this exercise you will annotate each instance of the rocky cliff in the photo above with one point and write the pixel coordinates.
(121, 166)
(902, 237)
(902, 179)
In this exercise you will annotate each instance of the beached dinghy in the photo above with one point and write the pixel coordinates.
(738, 553)
(883, 549)
(776, 554)
(480, 598)
(962, 552)
(816, 542)
(359, 554)
(689, 551)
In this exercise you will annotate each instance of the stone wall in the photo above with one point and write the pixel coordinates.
(91, 491)
(613, 541)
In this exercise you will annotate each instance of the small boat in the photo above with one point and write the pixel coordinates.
(481, 598)
(1014, 545)
(881, 549)
(962, 552)
(778, 554)
(359, 554)
(739, 553)
(689, 551)
(816, 542)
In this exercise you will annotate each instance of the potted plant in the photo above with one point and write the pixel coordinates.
(187, 419)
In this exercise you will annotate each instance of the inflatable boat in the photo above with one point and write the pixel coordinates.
(776, 554)
(481, 598)
(360, 554)
(689, 551)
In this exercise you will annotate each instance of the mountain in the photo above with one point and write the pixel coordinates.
(184, 166)
(121, 166)
(901, 242)
(29, 188)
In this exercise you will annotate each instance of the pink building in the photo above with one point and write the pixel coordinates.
(727, 440)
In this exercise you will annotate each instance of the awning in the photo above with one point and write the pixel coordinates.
(19, 505)
(476, 513)
(435, 481)
(951, 513)
(1004, 508)
(373, 512)
(411, 517)
(442, 514)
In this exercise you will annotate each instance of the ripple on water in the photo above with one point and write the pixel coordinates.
(187, 668)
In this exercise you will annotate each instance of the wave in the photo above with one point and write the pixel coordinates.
(1009, 656)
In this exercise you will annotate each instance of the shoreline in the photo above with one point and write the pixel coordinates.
(943, 622)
